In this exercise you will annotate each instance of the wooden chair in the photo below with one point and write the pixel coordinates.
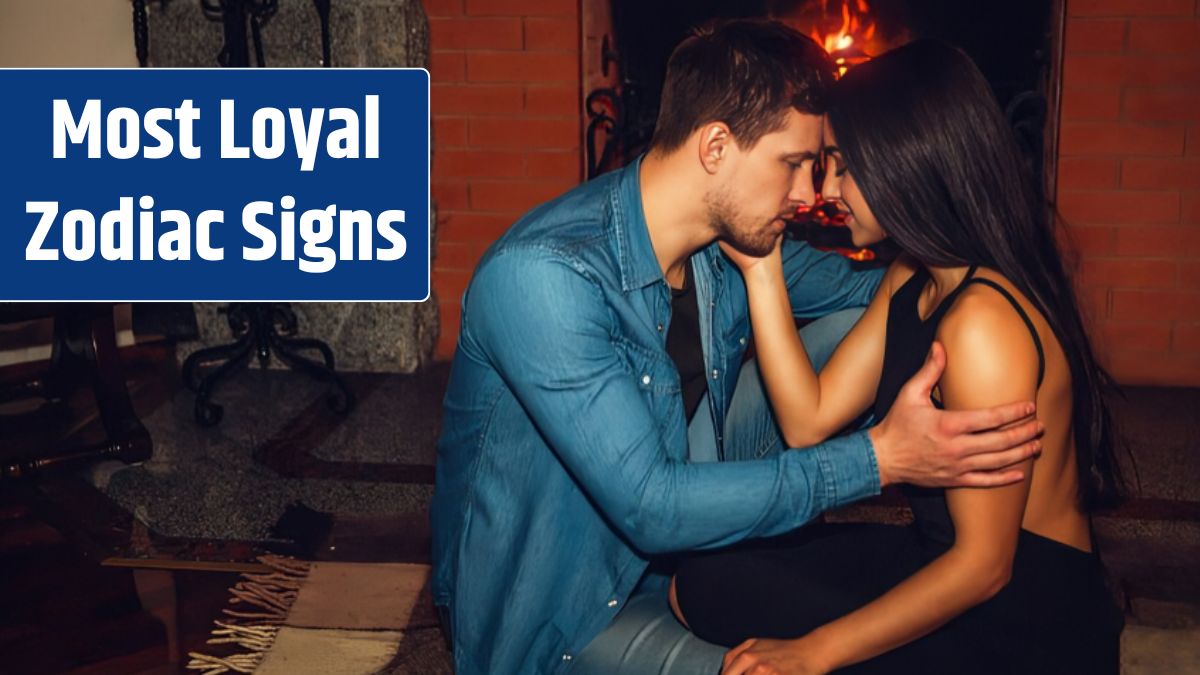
(84, 350)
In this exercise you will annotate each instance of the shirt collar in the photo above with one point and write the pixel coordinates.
(635, 252)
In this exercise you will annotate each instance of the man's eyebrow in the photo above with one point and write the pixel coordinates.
(800, 156)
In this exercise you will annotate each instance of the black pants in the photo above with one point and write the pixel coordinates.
(1055, 616)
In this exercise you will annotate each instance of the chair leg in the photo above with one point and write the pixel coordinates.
(126, 437)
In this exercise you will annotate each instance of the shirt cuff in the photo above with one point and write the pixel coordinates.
(849, 469)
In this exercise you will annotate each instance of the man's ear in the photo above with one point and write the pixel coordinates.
(715, 142)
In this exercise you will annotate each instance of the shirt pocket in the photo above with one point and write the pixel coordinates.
(653, 372)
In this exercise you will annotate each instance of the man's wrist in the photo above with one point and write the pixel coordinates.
(879, 447)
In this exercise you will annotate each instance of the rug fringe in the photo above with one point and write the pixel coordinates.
(272, 595)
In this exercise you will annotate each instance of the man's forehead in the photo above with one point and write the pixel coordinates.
(802, 133)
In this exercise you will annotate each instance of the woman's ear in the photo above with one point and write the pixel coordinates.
(715, 142)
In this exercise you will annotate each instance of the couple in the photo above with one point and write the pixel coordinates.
(606, 460)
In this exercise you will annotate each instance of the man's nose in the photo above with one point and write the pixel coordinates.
(802, 191)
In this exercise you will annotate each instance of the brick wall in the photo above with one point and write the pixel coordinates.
(1129, 181)
(507, 128)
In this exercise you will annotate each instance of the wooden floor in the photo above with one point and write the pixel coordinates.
(62, 610)
(73, 600)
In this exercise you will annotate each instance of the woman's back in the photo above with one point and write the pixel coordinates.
(916, 317)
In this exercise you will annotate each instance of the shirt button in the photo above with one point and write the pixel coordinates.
(742, 341)
(660, 327)
(716, 374)
(645, 379)
(566, 657)
(612, 603)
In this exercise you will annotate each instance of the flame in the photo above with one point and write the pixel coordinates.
(856, 30)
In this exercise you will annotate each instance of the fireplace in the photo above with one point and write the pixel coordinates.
(1016, 43)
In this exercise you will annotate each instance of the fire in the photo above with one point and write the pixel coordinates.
(847, 43)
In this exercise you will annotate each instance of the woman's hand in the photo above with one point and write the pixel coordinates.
(772, 657)
(747, 263)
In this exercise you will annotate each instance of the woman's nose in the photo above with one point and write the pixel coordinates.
(832, 188)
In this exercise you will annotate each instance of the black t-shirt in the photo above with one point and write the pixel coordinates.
(683, 342)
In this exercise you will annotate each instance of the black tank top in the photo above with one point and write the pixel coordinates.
(908, 341)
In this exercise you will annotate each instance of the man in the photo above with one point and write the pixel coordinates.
(563, 469)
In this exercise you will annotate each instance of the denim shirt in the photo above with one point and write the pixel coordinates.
(562, 463)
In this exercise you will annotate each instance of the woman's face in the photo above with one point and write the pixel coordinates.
(840, 187)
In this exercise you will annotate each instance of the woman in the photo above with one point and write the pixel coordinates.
(1001, 580)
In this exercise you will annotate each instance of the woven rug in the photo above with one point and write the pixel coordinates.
(327, 617)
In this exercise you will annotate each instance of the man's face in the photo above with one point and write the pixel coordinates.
(765, 184)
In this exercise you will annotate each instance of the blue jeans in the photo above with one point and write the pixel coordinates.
(644, 638)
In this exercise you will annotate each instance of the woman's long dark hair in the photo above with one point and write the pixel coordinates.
(920, 130)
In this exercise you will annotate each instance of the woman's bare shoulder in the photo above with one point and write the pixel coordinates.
(983, 326)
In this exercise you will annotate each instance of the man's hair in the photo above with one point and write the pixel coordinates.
(746, 73)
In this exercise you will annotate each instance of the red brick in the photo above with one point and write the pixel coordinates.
(1095, 35)
(449, 132)
(1086, 241)
(1108, 138)
(450, 285)
(562, 165)
(552, 34)
(1191, 208)
(1117, 273)
(1119, 208)
(1189, 246)
(521, 67)
(1130, 8)
(496, 132)
(553, 100)
(443, 7)
(1163, 105)
(461, 33)
(459, 255)
(1140, 70)
(523, 7)
(1172, 36)
(477, 99)
(1186, 338)
(1091, 103)
(449, 193)
(1135, 335)
(1087, 173)
(1152, 240)
(1156, 173)
(447, 66)
(478, 164)
(1095, 304)
(506, 195)
(469, 226)
(450, 318)
(1155, 368)
(1189, 276)
(1151, 305)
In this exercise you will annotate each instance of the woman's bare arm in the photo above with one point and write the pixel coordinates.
(808, 406)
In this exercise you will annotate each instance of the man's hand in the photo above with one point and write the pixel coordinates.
(919, 444)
